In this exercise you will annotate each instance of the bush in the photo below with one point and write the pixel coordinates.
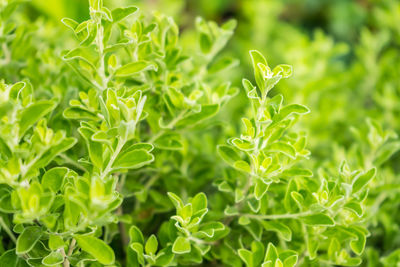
(121, 143)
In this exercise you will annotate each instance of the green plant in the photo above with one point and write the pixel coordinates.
(117, 150)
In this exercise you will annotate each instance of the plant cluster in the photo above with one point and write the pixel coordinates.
(116, 148)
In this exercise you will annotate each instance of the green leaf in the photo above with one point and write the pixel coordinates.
(223, 64)
(199, 203)
(132, 159)
(27, 240)
(281, 229)
(242, 166)
(151, 245)
(271, 254)
(122, 12)
(319, 219)
(77, 113)
(385, 152)
(33, 113)
(246, 256)
(9, 258)
(134, 67)
(257, 58)
(206, 112)
(358, 244)
(260, 189)
(55, 242)
(181, 245)
(54, 258)
(288, 110)
(54, 178)
(135, 235)
(284, 148)
(228, 154)
(178, 203)
(70, 23)
(97, 248)
(362, 180)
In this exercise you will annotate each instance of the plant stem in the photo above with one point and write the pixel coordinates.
(69, 253)
(277, 216)
(7, 230)
(107, 170)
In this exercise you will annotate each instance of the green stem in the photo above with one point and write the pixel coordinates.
(277, 216)
(107, 170)
(7, 230)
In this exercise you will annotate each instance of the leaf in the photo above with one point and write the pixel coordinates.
(242, 166)
(223, 64)
(181, 245)
(206, 112)
(55, 242)
(95, 148)
(122, 12)
(199, 203)
(27, 240)
(151, 245)
(358, 244)
(54, 258)
(70, 23)
(78, 113)
(257, 58)
(33, 113)
(260, 189)
(288, 110)
(362, 180)
(319, 219)
(9, 258)
(271, 254)
(132, 159)
(385, 152)
(135, 67)
(284, 148)
(54, 178)
(281, 229)
(97, 248)
(178, 203)
(228, 154)
(246, 256)
(135, 235)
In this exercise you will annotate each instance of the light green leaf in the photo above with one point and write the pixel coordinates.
(206, 112)
(242, 166)
(281, 229)
(135, 235)
(284, 148)
(151, 245)
(133, 159)
(122, 12)
(228, 154)
(246, 256)
(102, 252)
(54, 258)
(181, 245)
(135, 67)
(363, 179)
(55, 242)
(33, 113)
(54, 178)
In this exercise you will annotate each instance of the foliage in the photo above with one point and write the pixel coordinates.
(126, 141)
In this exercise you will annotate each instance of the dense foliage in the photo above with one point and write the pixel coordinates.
(138, 138)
